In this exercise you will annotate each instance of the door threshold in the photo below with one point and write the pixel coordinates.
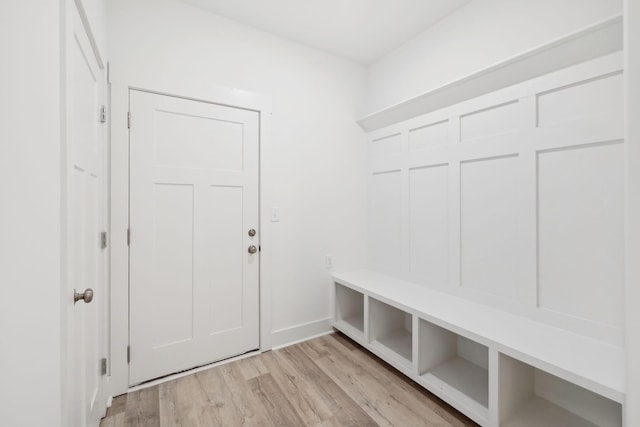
(191, 371)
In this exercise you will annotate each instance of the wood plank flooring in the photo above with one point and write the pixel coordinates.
(328, 381)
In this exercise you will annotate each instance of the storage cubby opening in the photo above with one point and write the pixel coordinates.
(350, 307)
(391, 330)
(449, 361)
(531, 397)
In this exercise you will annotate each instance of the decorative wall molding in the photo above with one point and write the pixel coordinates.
(513, 199)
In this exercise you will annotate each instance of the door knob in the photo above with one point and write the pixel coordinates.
(86, 296)
(252, 232)
(253, 249)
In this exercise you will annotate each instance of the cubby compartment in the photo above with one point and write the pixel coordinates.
(349, 315)
(454, 367)
(458, 351)
(530, 397)
(391, 331)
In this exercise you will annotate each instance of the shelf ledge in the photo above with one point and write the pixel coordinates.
(540, 412)
(588, 43)
(455, 397)
(462, 375)
(397, 344)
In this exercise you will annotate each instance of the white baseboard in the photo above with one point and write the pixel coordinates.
(294, 334)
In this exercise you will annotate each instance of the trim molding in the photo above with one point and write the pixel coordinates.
(298, 333)
(588, 43)
(119, 204)
(92, 38)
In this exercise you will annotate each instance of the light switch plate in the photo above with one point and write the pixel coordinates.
(328, 261)
(275, 214)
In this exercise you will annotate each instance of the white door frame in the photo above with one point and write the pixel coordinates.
(120, 88)
(632, 146)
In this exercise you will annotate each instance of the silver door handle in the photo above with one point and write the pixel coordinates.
(86, 296)
(252, 249)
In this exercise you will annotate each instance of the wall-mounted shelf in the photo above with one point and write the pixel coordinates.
(588, 43)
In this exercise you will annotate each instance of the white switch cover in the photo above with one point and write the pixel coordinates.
(275, 214)
(329, 261)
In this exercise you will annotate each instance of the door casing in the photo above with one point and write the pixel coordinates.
(119, 197)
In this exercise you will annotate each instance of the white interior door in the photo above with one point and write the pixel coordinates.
(85, 334)
(194, 199)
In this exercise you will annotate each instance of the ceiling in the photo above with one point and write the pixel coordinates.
(360, 30)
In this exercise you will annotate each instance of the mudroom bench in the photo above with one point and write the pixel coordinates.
(497, 368)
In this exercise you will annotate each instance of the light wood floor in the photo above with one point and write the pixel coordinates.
(327, 381)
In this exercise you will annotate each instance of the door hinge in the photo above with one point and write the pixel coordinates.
(103, 240)
(128, 237)
(129, 120)
(103, 114)
(103, 366)
(128, 354)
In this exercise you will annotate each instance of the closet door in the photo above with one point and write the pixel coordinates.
(84, 299)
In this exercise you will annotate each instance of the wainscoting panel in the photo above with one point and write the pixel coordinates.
(431, 135)
(488, 214)
(512, 199)
(580, 231)
(385, 216)
(429, 225)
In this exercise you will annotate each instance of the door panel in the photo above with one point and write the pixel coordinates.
(225, 227)
(207, 143)
(173, 259)
(194, 196)
(84, 219)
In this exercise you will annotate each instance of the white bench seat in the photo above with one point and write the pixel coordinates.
(588, 363)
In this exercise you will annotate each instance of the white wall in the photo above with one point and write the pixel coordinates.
(312, 166)
(474, 37)
(632, 296)
(30, 174)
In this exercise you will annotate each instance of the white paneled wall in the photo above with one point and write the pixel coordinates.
(580, 230)
(513, 199)
(428, 218)
(386, 217)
